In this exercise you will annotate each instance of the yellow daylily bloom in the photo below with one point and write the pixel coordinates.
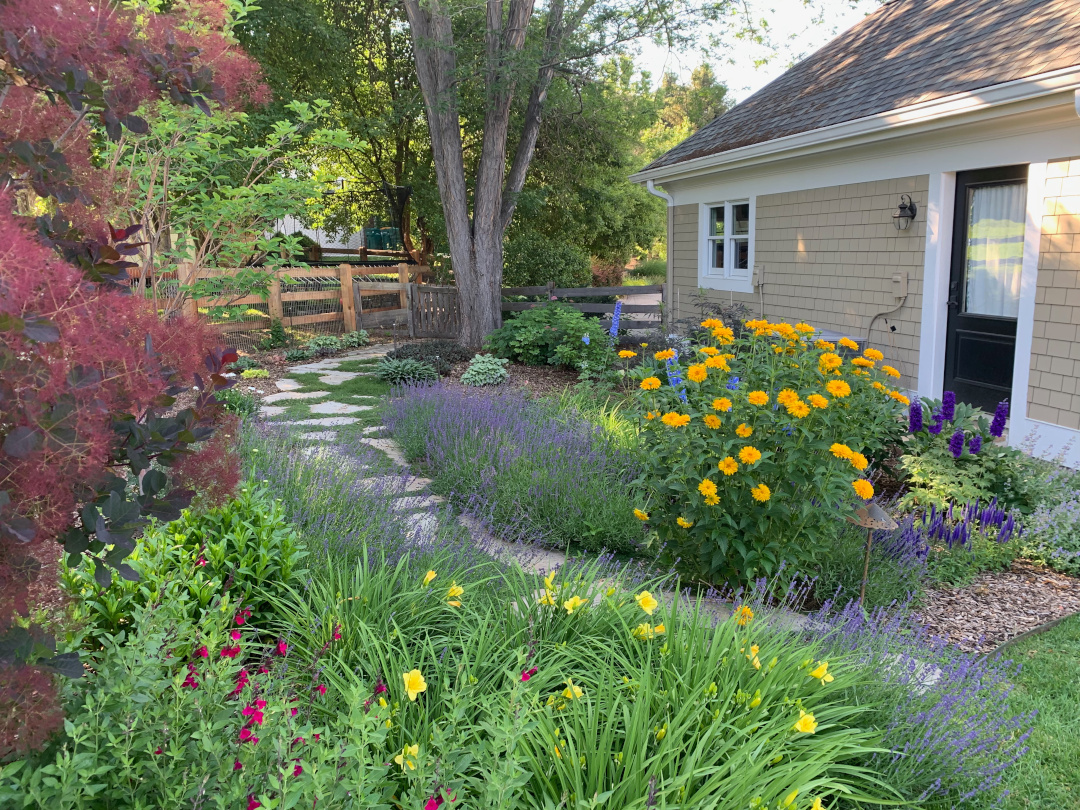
(403, 759)
(430, 575)
(414, 683)
(573, 603)
(647, 602)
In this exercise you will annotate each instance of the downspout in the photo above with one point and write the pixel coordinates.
(669, 287)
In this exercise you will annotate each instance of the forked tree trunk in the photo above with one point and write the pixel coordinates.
(476, 240)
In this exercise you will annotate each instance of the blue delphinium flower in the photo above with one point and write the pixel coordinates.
(732, 384)
(915, 422)
(948, 406)
(585, 339)
(935, 424)
(674, 379)
(1001, 413)
(975, 445)
(614, 330)
(956, 444)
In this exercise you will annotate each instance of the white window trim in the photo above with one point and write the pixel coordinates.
(706, 276)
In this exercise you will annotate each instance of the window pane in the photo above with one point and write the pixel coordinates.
(716, 222)
(718, 254)
(741, 214)
(740, 253)
(995, 250)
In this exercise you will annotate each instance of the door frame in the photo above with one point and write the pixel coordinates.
(937, 267)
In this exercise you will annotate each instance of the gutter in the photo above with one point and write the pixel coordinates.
(934, 114)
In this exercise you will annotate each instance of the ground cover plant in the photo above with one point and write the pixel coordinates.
(561, 478)
(485, 370)
(758, 445)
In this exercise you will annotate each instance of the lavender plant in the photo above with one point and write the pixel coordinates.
(561, 479)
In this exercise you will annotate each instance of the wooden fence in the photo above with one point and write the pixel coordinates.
(549, 291)
(331, 300)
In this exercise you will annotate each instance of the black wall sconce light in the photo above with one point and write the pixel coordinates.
(904, 215)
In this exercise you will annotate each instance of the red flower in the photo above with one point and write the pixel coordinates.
(298, 740)
(202, 652)
(260, 704)
(337, 632)
(322, 688)
(433, 803)
(237, 766)
(241, 682)
(190, 681)
(528, 673)
(256, 715)
(293, 712)
(230, 652)
(264, 669)
(235, 635)
(253, 803)
(297, 770)
(282, 647)
(243, 615)
(316, 736)
(157, 750)
(380, 687)
(201, 562)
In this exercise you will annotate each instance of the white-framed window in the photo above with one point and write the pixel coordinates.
(727, 245)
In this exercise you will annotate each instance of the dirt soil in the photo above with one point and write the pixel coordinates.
(999, 606)
(537, 381)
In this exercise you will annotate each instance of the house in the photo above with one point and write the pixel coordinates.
(914, 184)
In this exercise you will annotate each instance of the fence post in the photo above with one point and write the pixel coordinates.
(410, 296)
(348, 310)
(551, 289)
(403, 278)
(273, 303)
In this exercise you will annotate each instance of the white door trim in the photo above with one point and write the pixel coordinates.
(936, 269)
(1025, 319)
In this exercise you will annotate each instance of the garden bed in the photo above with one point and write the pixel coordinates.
(999, 606)
(537, 381)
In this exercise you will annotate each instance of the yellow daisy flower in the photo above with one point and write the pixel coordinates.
(848, 343)
(873, 354)
(841, 451)
(675, 420)
(686, 524)
(761, 493)
(749, 455)
(863, 488)
(728, 466)
(641, 515)
(697, 373)
(743, 431)
(666, 354)
(650, 384)
(838, 388)
(757, 398)
(892, 372)
(721, 404)
(818, 401)
(711, 421)
(626, 354)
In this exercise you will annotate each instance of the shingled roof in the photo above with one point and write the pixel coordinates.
(908, 51)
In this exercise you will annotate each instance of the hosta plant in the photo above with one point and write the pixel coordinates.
(758, 446)
(402, 372)
(485, 370)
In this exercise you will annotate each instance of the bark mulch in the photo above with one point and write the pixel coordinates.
(536, 381)
(999, 606)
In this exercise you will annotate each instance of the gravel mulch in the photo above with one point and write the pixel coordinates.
(999, 606)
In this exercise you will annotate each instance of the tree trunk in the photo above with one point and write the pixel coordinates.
(479, 294)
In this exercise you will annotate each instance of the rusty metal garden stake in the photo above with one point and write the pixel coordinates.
(870, 517)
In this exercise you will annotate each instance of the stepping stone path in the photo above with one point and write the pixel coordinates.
(289, 396)
(338, 377)
(318, 436)
(327, 421)
(288, 385)
(271, 410)
(339, 407)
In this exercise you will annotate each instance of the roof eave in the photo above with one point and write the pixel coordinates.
(934, 114)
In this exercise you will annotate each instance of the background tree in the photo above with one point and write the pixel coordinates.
(497, 53)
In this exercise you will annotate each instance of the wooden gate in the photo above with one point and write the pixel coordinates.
(435, 311)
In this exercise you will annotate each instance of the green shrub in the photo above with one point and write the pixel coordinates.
(297, 355)
(144, 730)
(354, 340)
(276, 338)
(941, 467)
(238, 402)
(485, 370)
(653, 270)
(244, 546)
(254, 374)
(439, 354)
(244, 363)
(532, 260)
(403, 372)
(323, 345)
(558, 335)
(758, 449)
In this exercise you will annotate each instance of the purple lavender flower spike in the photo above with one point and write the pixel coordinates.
(948, 406)
(915, 422)
(1001, 413)
(956, 444)
(975, 445)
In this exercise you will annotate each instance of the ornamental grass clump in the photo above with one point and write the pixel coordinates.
(557, 478)
(757, 447)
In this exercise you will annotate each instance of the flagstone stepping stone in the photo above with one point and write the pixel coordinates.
(292, 395)
(368, 353)
(317, 436)
(388, 446)
(395, 484)
(271, 410)
(327, 421)
(373, 429)
(339, 407)
(424, 529)
(289, 385)
(413, 503)
(311, 368)
(338, 377)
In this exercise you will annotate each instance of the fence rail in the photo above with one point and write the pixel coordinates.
(332, 300)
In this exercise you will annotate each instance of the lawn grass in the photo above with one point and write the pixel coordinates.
(1049, 775)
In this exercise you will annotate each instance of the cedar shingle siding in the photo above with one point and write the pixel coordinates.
(828, 256)
(1054, 385)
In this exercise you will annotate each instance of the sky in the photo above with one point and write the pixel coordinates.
(792, 29)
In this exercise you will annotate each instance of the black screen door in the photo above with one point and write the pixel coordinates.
(984, 284)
